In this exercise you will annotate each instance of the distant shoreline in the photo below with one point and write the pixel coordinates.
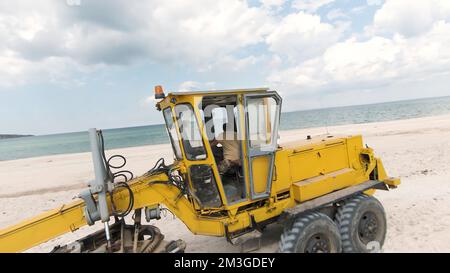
(288, 135)
(13, 136)
(69, 143)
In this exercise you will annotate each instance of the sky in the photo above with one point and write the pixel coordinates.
(69, 65)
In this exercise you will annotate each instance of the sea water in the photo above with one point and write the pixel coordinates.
(78, 142)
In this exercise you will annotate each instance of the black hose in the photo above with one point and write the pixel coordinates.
(174, 179)
(113, 176)
(130, 204)
(159, 167)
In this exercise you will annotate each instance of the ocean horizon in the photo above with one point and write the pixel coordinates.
(78, 142)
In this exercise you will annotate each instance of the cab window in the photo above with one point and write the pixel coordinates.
(172, 131)
(261, 113)
(190, 132)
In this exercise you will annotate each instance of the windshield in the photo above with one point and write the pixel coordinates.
(190, 132)
(172, 131)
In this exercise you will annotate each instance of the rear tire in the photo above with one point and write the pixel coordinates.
(311, 233)
(362, 224)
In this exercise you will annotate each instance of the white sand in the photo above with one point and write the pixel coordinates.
(417, 150)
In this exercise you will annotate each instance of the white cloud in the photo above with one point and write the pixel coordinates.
(203, 30)
(272, 3)
(369, 64)
(301, 36)
(150, 100)
(417, 49)
(11, 69)
(195, 33)
(375, 2)
(50, 41)
(358, 10)
(310, 5)
(336, 14)
(15, 70)
(194, 85)
(410, 18)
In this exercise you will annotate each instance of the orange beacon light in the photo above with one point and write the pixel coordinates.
(159, 93)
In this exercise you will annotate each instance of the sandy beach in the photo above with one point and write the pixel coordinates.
(416, 150)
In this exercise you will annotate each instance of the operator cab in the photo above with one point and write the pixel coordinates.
(220, 116)
(227, 142)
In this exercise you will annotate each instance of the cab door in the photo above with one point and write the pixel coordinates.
(262, 116)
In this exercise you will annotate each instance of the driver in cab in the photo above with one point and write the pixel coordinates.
(231, 149)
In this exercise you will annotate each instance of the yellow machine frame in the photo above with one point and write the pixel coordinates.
(305, 170)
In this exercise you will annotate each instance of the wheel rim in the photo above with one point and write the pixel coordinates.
(368, 227)
(318, 243)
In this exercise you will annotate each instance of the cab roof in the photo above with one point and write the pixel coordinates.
(219, 92)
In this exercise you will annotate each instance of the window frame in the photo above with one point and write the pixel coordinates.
(275, 126)
(267, 151)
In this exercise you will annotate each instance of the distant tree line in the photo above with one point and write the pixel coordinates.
(13, 136)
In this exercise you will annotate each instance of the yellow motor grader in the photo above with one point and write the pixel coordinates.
(321, 186)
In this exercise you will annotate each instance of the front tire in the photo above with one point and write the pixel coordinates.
(362, 224)
(311, 233)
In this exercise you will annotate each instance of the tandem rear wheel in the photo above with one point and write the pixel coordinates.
(362, 224)
(359, 226)
(312, 232)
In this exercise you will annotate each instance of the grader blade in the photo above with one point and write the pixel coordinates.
(149, 239)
